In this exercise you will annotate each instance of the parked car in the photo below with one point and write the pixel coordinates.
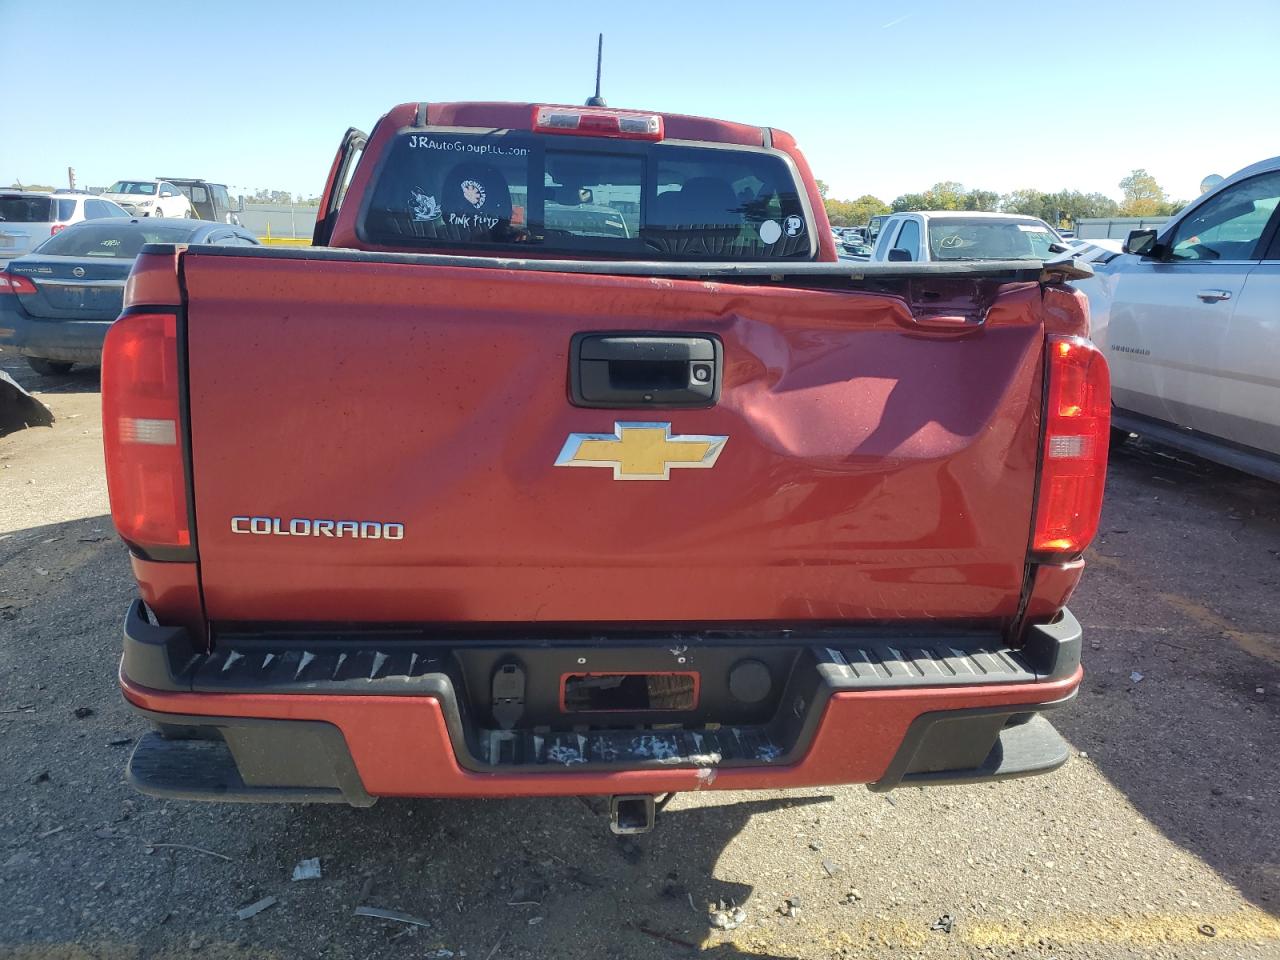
(150, 198)
(1190, 319)
(931, 235)
(599, 511)
(28, 218)
(211, 201)
(854, 246)
(57, 303)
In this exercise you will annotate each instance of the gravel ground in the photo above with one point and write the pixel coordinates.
(1163, 826)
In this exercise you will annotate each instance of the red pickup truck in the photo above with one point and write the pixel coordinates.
(572, 460)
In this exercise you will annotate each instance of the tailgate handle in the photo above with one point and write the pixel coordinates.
(645, 370)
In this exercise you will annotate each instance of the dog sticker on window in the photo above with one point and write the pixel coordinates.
(425, 207)
(473, 193)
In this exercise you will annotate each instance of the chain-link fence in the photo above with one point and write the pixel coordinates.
(279, 220)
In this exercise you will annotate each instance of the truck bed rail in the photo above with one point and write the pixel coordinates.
(1046, 271)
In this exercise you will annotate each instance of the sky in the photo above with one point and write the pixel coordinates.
(884, 98)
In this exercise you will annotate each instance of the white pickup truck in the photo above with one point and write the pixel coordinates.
(1189, 317)
(934, 235)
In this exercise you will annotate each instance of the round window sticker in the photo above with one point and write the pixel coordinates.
(770, 231)
(793, 225)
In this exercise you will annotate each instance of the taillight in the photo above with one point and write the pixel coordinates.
(595, 122)
(56, 229)
(11, 283)
(142, 431)
(1073, 469)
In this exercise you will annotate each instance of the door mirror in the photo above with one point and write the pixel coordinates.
(898, 255)
(1141, 243)
(237, 205)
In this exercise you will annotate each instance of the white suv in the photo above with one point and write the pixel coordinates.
(27, 219)
(150, 198)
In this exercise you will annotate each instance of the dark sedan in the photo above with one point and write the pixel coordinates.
(57, 302)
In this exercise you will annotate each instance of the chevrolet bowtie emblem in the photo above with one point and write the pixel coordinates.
(640, 451)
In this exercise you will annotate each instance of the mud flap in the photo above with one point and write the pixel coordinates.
(19, 409)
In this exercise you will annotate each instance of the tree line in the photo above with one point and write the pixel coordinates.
(1143, 197)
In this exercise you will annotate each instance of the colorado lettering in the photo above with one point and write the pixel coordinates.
(307, 527)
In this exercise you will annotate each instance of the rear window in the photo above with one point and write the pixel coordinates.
(141, 187)
(533, 193)
(959, 238)
(17, 209)
(121, 239)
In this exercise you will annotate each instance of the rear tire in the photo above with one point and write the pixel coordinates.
(48, 368)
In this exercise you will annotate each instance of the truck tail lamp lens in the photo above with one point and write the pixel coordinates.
(56, 229)
(141, 431)
(1073, 470)
(597, 123)
(11, 283)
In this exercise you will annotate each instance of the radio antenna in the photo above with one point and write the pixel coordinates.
(597, 100)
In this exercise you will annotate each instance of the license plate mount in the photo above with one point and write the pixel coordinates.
(619, 692)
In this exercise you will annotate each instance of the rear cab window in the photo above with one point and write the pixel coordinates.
(980, 238)
(15, 208)
(535, 193)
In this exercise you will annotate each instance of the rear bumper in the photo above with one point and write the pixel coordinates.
(75, 341)
(346, 736)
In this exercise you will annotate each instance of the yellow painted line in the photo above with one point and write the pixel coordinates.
(1264, 646)
(1261, 645)
(1245, 926)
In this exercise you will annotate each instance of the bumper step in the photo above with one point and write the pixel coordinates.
(934, 742)
(247, 765)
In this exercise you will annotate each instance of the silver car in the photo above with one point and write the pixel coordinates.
(1190, 319)
(29, 218)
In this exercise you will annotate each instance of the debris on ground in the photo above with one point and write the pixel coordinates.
(852, 895)
(944, 924)
(657, 935)
(790, 907)
(832, 868)
(1208, 929)
(726, 915)
(253, 909)
(307, 869)
(41, 777)
(151, 847)
(19, 409)
(49, 833)
(377, 913)
(83, 712)
(1136, 677)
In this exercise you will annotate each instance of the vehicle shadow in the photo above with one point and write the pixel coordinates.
(545, 875)
(1179, 707)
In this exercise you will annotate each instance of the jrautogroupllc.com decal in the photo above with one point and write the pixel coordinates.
(487, 147)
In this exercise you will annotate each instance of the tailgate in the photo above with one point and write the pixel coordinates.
(872, 469)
